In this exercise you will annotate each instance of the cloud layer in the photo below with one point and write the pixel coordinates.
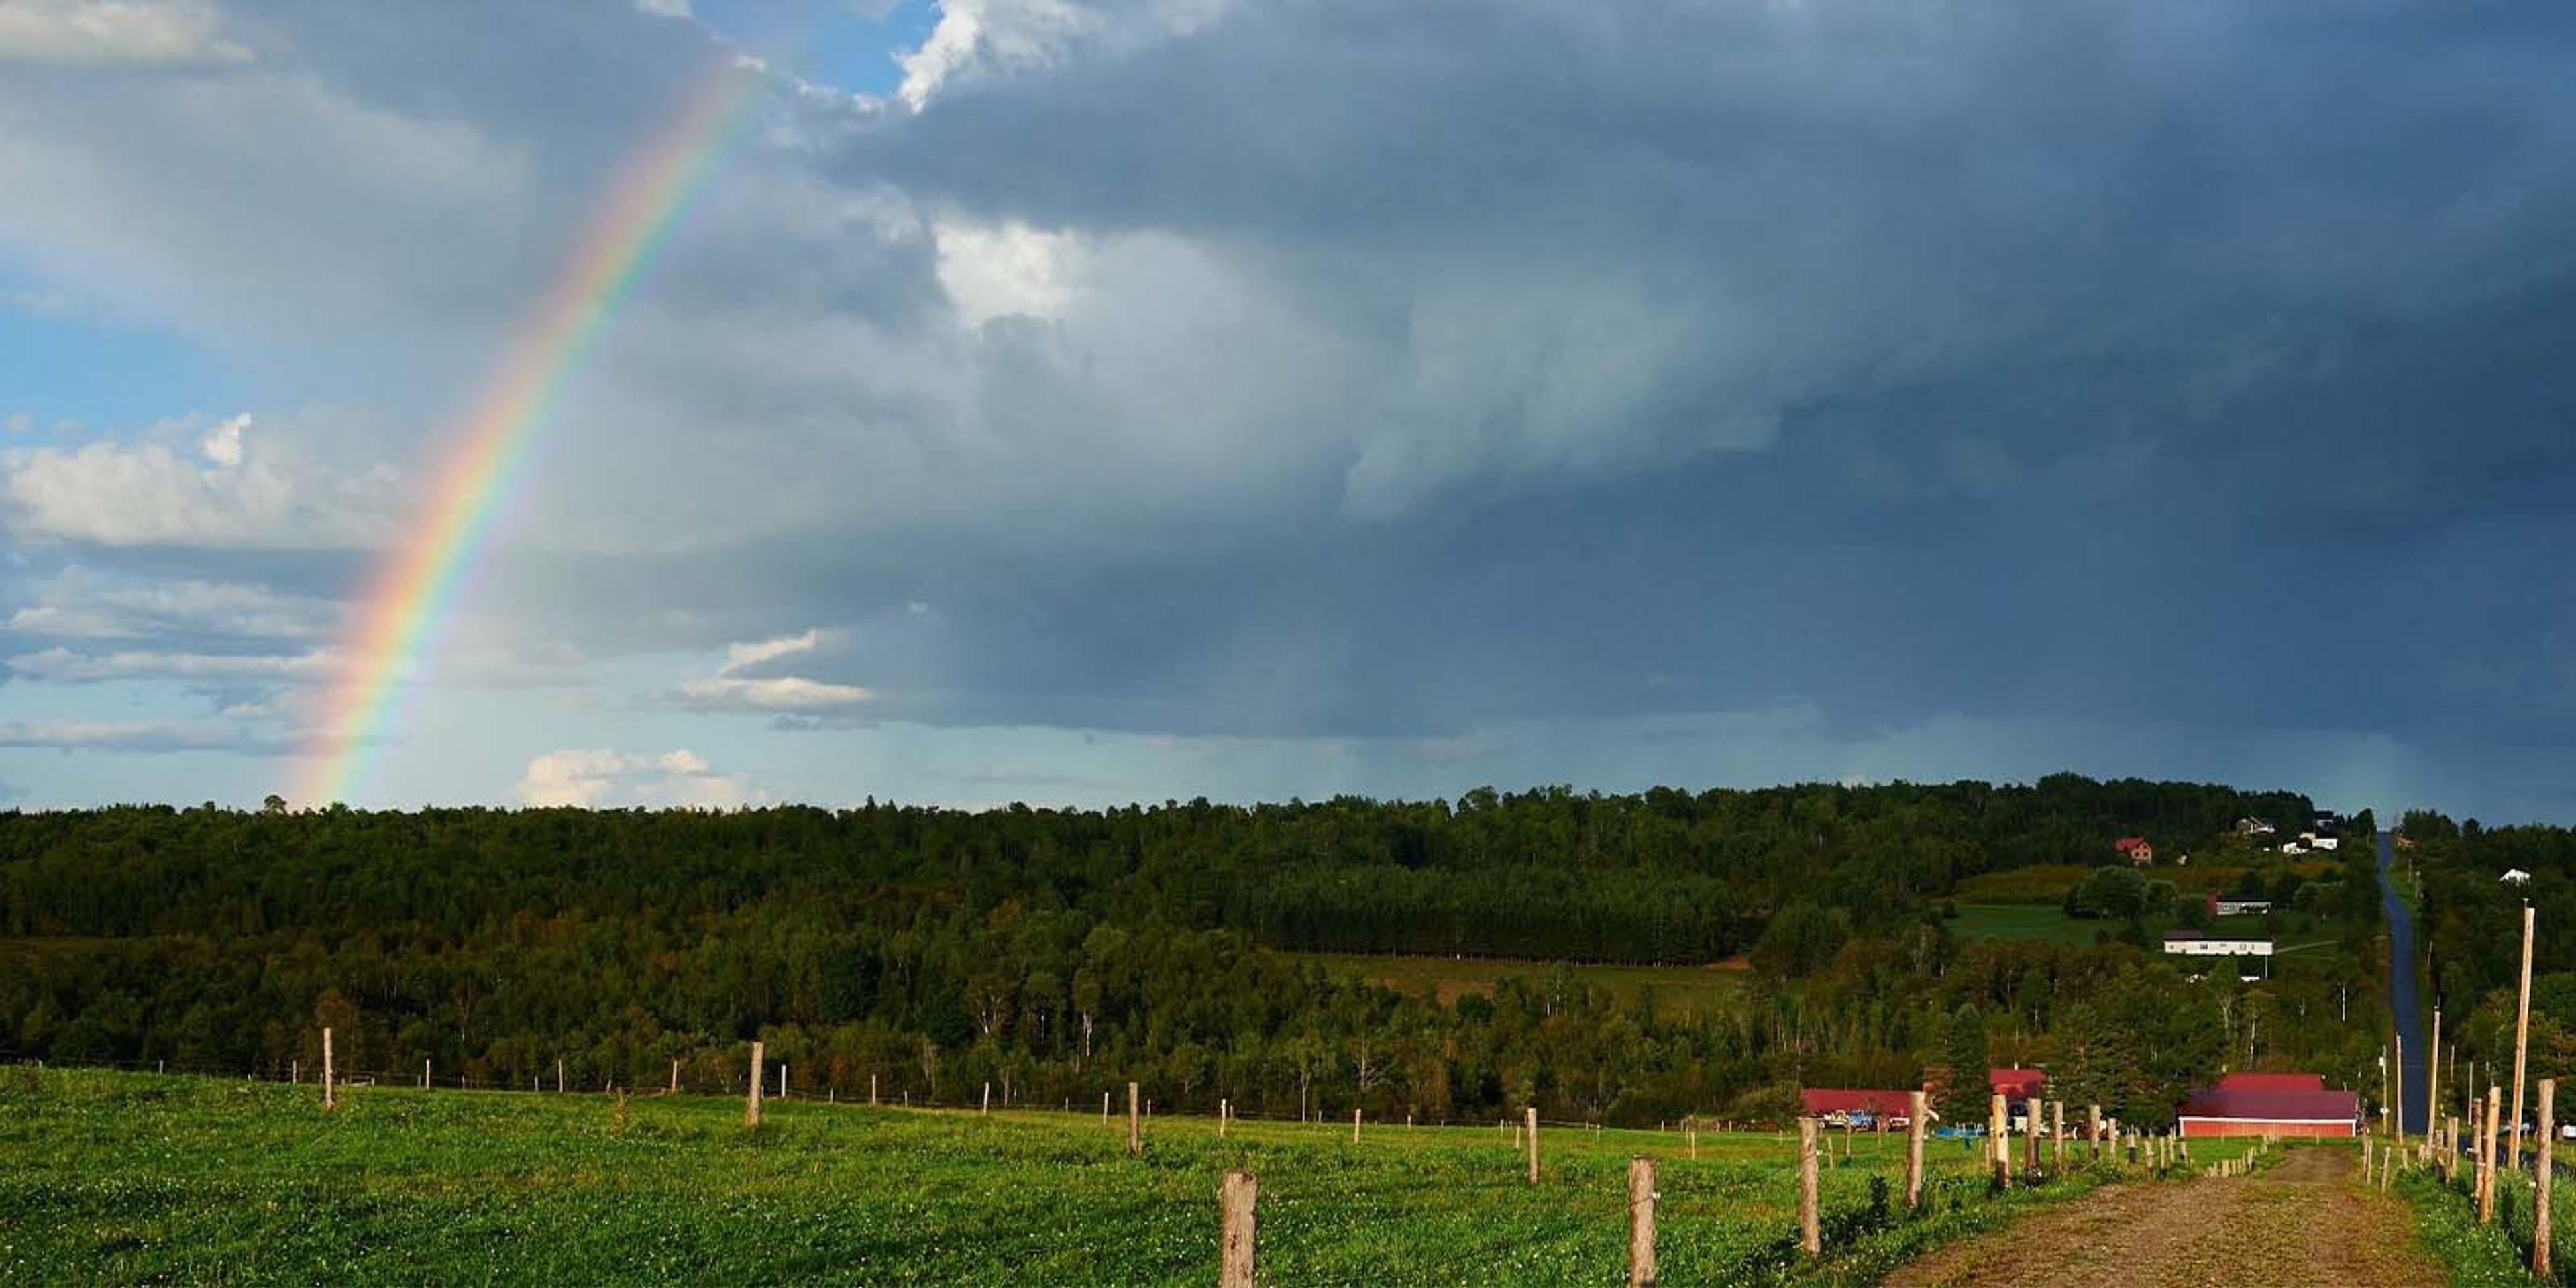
(1328, 371)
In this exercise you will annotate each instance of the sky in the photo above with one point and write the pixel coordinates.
(1093, 401)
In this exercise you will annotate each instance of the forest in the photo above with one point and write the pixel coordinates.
(2472, 919)
(1055, 953)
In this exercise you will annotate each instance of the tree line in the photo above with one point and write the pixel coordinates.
(1054, 953)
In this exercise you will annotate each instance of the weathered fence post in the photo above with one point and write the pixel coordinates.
(2366, 1152)
(2093, 1129)
(1530, 1135)
(1135, 1123)
(1811, 1237)
(2547, 1125)
(2433, 1084)
(872, 1091)
(2521, 1034)
(2057, 1135)
(328, 1098)
(1999, 1126)
(424, 1074)
(1222, 1107)
(675, 1075)
(2487, 1156)
(1641, 1223)
(988, 1099)
(782, 1080)
(751, 1101)
(1236, 1196)
(1355, 1125)
(2031, 1108)
(1917, 1108)
(559, 1075)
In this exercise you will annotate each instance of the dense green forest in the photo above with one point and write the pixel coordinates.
(1054, 953)
(2472, 921)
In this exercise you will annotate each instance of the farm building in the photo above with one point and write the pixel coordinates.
(1846, 1107)
(2195, 943)
(2137, 849)
(2258, 1104)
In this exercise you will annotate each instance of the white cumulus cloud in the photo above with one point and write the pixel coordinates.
(728, 689)
(146, 491)
(604, 777)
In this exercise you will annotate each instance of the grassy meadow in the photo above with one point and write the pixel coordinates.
(2026, 921)
(134, 1178)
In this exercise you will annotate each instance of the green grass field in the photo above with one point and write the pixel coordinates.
(1678, 989)
(132, 1178)
(2025, 921)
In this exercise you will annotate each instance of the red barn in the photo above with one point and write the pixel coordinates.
(2259, 1104)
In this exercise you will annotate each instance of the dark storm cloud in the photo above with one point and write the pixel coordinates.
(2185, 362)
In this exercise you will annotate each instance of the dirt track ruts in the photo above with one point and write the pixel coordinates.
(2305, 1223)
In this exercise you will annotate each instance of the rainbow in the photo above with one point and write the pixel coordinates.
(411, 591)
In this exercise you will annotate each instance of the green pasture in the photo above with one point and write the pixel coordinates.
(133, 1178)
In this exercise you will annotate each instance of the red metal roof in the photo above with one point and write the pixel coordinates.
(2126, 843)
(2273, 1097)
(2017, 1083)
(2272, 1082)
(1837, 1100)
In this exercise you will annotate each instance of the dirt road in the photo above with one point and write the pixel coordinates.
(2303, 1223)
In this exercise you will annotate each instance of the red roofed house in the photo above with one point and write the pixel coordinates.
(1849, 1108)
(2258, 1104)
(2140, 853)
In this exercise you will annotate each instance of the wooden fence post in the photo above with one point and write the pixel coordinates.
(2433, 1083)
(2093, 1129)
(675, 1076)
(2057, 1135)
(1531, 1137)
(1641, 1223)
(1355, 1125)
(328, 1098)
(559, 1075)
(2548, 1127)
(1135, 1124)
(2521, 1035)
(751, 1102)
(1811, 1237)
(2030, 1107)
(1236, 1196)
(988, 1099)
(424, 1074)
(2487, 1156)
(1999, 1127)
(1917, 1108)
(1222, 1107)
(872, 1091)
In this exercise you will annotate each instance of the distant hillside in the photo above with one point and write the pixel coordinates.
(1027, 945)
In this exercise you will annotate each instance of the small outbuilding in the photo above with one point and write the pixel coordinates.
(2270, 1104)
